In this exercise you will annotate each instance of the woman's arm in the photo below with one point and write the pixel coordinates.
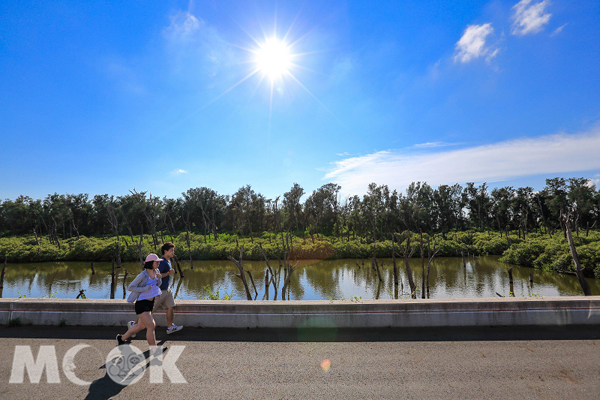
(158, 277)
(139, 284)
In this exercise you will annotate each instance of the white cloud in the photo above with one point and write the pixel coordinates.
(196, 50)
(179, 171)
(125, 77)
(496, 162)
(432, 144)
(558, 30)
(472, 44)
(529, 18)
(183, 26)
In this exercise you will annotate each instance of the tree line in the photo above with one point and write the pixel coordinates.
(374, 216)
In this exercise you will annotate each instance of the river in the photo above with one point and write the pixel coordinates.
(348, 279)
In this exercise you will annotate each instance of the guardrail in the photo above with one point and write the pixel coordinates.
(316, 314)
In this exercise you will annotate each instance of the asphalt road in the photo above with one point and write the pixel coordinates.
(483, 363)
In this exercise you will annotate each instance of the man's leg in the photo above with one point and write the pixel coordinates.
(170, 316)
(170, 305)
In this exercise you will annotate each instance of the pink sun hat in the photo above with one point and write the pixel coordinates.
(152, 257)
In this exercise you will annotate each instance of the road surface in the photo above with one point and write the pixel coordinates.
(451, 363)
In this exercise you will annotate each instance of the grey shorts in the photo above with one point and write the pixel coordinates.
(165, 300)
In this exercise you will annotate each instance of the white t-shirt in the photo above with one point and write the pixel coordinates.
(153, 292)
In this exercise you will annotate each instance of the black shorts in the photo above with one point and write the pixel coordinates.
(141, 306)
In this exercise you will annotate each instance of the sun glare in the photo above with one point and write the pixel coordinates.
(277, 61)
(273, 58)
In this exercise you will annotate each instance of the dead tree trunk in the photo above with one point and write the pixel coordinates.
(2, 277)
(178, 266)
(584, 285)
(124, 279)
(75, 227)
(241, 275)
(253, 285)
(407, 254)
(118, 255)
(266, 285)
(375, 264)
(422, 264)
(432, 254)
(511, 283)
(394, 261)
(37, 242)
(112, 281)
(272, 278)
(587, 232)
(177, 290)
(288, 267)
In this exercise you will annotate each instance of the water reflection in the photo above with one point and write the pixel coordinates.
(317, 280)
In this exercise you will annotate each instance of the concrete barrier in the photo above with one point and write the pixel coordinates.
(316, 314)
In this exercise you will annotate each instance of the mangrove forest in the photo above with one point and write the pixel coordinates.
(542, 229)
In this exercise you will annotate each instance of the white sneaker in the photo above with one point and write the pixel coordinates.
(130, 325)
(174, 328)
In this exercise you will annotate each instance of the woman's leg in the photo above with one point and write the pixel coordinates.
(133, 330)
(147, 320)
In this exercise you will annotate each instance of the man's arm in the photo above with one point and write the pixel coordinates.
(171, 270)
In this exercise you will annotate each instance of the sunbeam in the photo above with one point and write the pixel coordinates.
(215, 99)
(273, 60)
(313, 96)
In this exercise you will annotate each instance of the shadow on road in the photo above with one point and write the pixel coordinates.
(568, 332)
(106, 387)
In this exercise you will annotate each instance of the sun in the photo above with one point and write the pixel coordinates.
(273, 58)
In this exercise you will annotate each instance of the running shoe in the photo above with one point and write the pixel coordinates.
(174, 328)
(130, 325)
(120, 341)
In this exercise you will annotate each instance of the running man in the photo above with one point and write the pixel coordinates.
(166, 299)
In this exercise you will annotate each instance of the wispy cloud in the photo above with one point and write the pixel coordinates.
(194, 47)
(472, 44)
(125, 77)
(432, 145)
(497, 162)
(179, 171)
(529, 18)
(558, 30)
(183, 26)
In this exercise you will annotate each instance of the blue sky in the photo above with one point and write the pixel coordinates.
(105, 97)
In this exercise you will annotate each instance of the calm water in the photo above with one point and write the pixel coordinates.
(314, 280)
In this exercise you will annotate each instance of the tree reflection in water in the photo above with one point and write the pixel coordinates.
(314, 280)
